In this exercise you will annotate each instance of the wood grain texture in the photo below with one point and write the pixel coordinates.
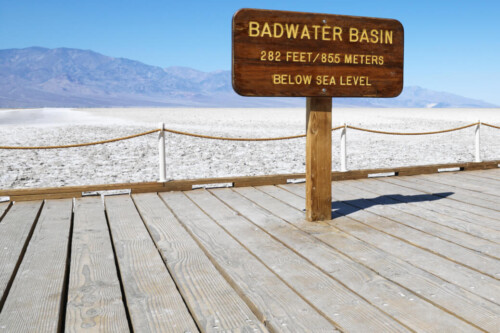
(15, 229)
(94, 297)
(493, 174)
(34, 302)
(456, 210)
(480, 184)
(406, 306)
(481, 190)
(65, 195)
(214, 304)
(384, 207)
(419, 205)
(477, 283)
(281, 308)
(252, 74)
(474, 309)
(338, 303)
(449, 250)
(318, 158)
(454, 202)
(478, 202)
(153, 301)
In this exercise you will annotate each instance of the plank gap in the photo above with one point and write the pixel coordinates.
(5, 211)
(119, 275)
(21, 257)
(166, 267)
(64, 294)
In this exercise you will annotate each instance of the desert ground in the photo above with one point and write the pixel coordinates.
(136, 160)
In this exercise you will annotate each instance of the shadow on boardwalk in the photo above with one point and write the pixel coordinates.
(344, 208)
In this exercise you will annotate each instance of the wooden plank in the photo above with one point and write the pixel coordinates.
(488, 190)
(182, 185)
(35, 301)
(318, 158)
(477, 283)
(452, 208)
(407, 307)
(94, 296)
(321, 290)
(482, 177)
(460, 193)
(281, 308)
(449, 250)
(153, 301)
(384, 207)
(214, 304)
(416, 205)
(15, 230)
(474, 309)
(493, 174)
(456, 200)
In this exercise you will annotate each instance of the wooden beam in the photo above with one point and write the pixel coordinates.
(30, 194)
(318, 158)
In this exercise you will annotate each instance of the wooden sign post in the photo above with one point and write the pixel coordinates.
(318, 56)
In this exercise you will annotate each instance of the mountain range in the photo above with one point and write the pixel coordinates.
(63, 77)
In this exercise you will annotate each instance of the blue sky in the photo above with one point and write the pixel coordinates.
(450, 46)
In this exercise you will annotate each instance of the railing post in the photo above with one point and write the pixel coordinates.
(343, 149)
(478, 141)
(161, 153)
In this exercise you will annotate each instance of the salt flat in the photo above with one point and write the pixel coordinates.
(137, 159)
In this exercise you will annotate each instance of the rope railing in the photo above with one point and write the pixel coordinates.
(343, 148)
(84, 144)
(241, 139)
(412, 133)
(490, 125)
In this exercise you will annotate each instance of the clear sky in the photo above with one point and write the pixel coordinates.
(450, 45)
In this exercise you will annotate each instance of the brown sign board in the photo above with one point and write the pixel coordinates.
(281, 53)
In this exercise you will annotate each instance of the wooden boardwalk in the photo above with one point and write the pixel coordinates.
(401, 254)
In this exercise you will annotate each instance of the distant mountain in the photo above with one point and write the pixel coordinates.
(41, 77)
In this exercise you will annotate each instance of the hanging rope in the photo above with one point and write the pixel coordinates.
(416, 133)
(485, 124)
(84, 144)
(237, 139)
(240, 139)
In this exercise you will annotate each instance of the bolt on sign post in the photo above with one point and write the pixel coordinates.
(318, 56)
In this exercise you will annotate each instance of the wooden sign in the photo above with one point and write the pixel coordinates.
(280, 53)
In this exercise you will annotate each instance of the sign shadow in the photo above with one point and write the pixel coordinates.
(347, 207)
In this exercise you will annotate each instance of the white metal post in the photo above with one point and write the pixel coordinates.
(478, 142)
(161, 153)
(343, 149)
